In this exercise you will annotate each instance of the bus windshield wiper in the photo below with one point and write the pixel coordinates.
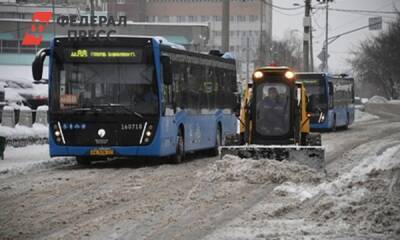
(85, 109)
(119, 106)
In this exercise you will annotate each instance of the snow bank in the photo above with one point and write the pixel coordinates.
(229, 55)
(232, 169)
(367, 197)
(377, 99)
(25, 108)
(37, 131)
(24, 159)
(361, 116)
(43, 108)
(389, 159)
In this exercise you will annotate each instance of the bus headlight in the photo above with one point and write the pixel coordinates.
(57, 133)
(148, 133)
(321, 117)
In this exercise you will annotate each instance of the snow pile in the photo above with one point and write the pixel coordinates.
(36, 131)
(298, 191)
(367, 197)
(229, 55)
(232, 169)
(377, 99)
(361, 116)
(19, 83)
(24, 159)
(25, 108)
(44, 108)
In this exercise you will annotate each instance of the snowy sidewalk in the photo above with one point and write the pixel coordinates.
(23, 159)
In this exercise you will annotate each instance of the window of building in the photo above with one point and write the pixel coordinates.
(253, 18)
(193, 19)
(120, 1)
(181, 18)
(241, 18)
(163, 18)
(205, 18)
(217, 18)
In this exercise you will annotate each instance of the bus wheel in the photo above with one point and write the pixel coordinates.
(180, 149)
(334, 124)
(218, 141)
(83, 161)
(347, 122)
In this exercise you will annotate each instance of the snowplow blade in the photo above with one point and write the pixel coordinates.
(312, 156)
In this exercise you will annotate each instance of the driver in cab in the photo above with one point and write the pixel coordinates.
(271, 112)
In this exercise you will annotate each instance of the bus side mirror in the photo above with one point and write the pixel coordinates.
(167, 71)
(237, 109)
(238, 105)
(37, 64)
(330, 86)
(311, 102)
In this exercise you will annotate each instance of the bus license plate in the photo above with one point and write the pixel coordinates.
(101, 152)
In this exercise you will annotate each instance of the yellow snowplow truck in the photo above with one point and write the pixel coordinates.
(275, 123)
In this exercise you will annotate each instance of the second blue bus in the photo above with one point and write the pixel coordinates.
(331, 100)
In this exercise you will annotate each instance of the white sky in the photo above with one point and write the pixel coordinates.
(339, 22)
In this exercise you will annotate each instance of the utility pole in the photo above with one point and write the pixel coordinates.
(311, 50)
(306, 40)
(53, 8)
(248, 61)
(91, 8)
(325, 48)
(326, 37)
(225, 26)
(261, 50)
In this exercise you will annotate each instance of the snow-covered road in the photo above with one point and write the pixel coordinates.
(207, 198)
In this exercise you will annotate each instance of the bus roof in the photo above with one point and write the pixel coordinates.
(165, 47)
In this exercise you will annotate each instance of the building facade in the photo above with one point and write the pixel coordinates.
(250, 25)
(133, 10)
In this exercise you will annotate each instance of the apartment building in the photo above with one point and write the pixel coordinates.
(133, 10)
(250, 22)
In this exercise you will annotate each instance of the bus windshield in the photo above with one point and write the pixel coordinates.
(106, 85)
(315, 88)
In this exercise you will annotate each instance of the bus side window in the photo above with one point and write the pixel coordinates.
(167, 96)
(330, 91)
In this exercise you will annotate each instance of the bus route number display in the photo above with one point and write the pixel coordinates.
(104, 55)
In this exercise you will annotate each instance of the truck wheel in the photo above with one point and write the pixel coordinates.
(83, 161)
(180, 149)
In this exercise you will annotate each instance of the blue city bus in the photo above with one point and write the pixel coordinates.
(331, 100)
(134, 96)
